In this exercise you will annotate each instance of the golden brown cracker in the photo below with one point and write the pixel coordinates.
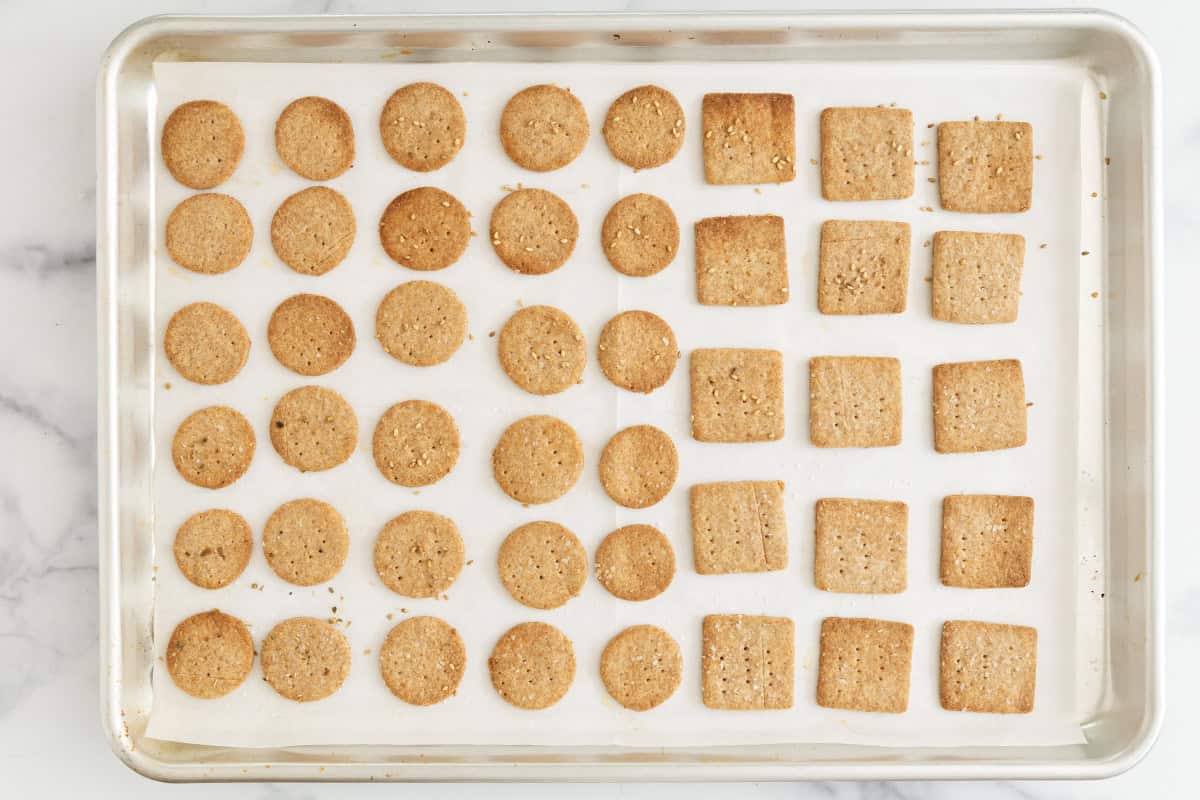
(419, 554)
(543, 127)
(977, 276)
(315, 138)
(542, 350)
(640, 235)
(421, 323)
(861, 546)
(425, 229)
(749, 138)
(542, 565)
(532, 665)
(978, 405)
(313, 429)
(312, 230)
(866, 153)
(638, 351)
(863, 267)
(416, 443)
(988, 667)
(533, 231)
(422, 661)
(747, 662)
(865, 664)
(206, 344)
(210, 654)
(422, 126)
(985, 167)
(641, 667)
(737, 395)
(635, 562)
(310, 334)
(212, 548)
(209, 233)
(741, 261)
(738, 526)
(202, 143)
(855, 401)
(987, 541)
(638, 466)
(644, 127)
(306, 541)
(213, 447)
(305, 659)
(538, 459)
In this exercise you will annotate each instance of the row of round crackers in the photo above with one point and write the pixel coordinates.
(422, 126)
(422, 661)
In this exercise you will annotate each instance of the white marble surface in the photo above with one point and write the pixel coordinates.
(50, 737)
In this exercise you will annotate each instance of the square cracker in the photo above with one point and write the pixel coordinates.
(985, 167)
(749, 138)
(855, 401)
(737, 395)
(987, 541)
(741, 261)
(988, 667)
(978, 405)
(865, 664)
(864, 267)
(861, 546)
(739, 527)
(977, 276)
(866, 153)
(747, 662)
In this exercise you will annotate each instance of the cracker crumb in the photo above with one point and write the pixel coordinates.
(932, 180)
(930, 125)
(1038, 156)
(1103, 96)
(1095, 295)
(757, 190)
(1095, 195)
(1043, 246)
(1107, 161)
(1086, 253)
(812, 161)
(167, 385)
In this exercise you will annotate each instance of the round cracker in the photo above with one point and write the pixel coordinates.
(212, 548)
(644, 127)
(638, 351)
(313, 429)
(533, 231)
(419, 554)
(638, 466)
(310, 334)
(202, 143)
(422, 661)
(641, 667)
(635, 562)
(425, 229)
(543, 127)
(532, 665)
(312, 231)
(305, 659)
(542, 565)
(209, 233)
(213, 447)
(416, 443)
(422, 126)
(206, 344)
(210, 654)
(542, 350)
(315, 138)
(640, 235)
(306, 541)
(421, 323)
(538, 459)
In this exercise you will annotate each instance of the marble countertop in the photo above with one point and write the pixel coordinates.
(50, 732)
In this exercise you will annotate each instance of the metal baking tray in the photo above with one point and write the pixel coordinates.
(1128, 709)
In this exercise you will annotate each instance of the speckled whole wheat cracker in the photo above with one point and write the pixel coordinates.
(312, 230)
(861, 546)
(542, 565)
(210, 654)
(863, 267)
(638, 466)
(741, 261)
(855, 401)
(306, 541)
(543, 128)
(749, 138)
(866, 153)
(305, 659)
(533, 231)
(209, 233)
(865, 664)
(538, 459)
(425, 229)
(422, 661)
(422, 126)
(206, 344)
(213, 447)
(638, 351)
(640, 235)
(977, 276)
(737, 395)
(738, 526)
(987, 541)
(419, 554)
(315, 138)
(416, 443)
(542, 350)
(212, 548)
(988, 667)
(635, 562)
(978, 405)
(644, 127)
(747, 662)
(202, 143)
(641, 667)
(985, 167)
(421, 323)
(532, 665)
(310, 334)
(313, 429)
